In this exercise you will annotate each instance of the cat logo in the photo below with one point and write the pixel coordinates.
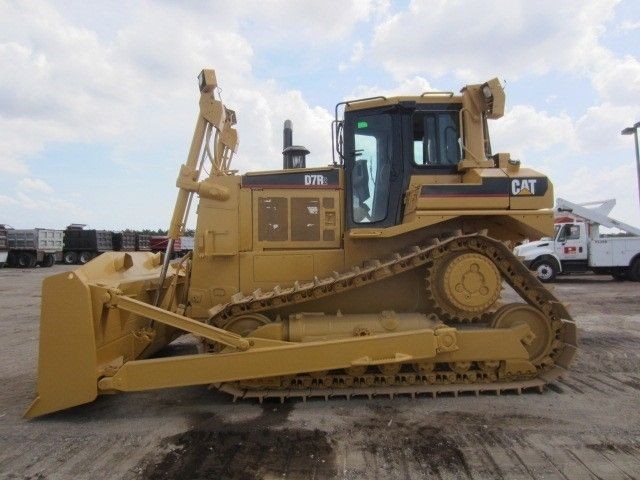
(523, 186)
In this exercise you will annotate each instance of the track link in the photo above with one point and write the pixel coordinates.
(332, 384)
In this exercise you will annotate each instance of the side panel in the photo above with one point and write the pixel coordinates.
(477, 189)
(50, 240)
(215, 271)
(296, 219)
(617, 252)
(268, 269)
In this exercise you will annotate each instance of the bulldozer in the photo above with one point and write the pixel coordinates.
(382, 273)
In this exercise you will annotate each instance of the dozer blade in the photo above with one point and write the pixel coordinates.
(80, 340)
(67, 354)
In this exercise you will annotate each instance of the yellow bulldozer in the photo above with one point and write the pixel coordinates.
(379, 274)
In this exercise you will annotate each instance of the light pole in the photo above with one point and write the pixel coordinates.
(634, 131)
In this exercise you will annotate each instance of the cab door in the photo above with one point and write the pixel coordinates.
(374, 168)
(571, 243)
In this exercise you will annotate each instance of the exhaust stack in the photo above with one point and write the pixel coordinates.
(293, 156)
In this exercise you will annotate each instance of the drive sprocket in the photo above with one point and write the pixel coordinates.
(463, 285)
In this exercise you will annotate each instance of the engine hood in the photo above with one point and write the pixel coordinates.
(525, 248)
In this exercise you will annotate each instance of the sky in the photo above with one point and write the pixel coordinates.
(98, 100)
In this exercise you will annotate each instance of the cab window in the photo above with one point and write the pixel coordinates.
(372, 168)
(573, 232)
(569, 231)
(436, 139)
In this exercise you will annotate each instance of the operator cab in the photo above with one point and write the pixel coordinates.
(384, 146)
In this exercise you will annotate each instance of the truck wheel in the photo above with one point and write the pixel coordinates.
(70, 258)
(26, 260)
(546, 270)
(48, 260)
(634, 270)
(85, 257)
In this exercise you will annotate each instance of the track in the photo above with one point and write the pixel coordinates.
(407, 381)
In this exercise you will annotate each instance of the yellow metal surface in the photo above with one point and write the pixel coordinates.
(315, 357)
(470, 282)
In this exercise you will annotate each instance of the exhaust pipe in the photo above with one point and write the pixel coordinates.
(293, 156)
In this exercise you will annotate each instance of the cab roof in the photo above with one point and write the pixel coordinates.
(380, 101)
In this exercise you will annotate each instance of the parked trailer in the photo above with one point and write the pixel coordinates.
(158, 243)
(82, 245)
(142, 242)
(131, 241)
(124, 241)
(36, 246)
(181, 246)
(4, 249)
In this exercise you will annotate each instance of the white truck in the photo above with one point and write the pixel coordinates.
(579, 246)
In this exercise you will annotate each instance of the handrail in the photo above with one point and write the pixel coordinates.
(434, 92)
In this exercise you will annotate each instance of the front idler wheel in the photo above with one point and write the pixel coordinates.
(539, 346)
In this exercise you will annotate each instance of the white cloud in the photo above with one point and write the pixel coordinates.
(586, 184)
(477, 39)
(5, 201)
(49, 204)
(292, 22)
(629, 25)
(63, 83)
(599, 128)
(356, 57)
(617, 80)
(524, 130)
(408, 86)
(35, 184)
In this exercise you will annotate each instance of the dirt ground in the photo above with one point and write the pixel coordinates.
(586, 426)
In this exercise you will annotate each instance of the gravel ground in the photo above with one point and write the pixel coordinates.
(586, 426)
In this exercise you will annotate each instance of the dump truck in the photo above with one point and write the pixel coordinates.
(81, 245)
(579, 246)
(34, 246)
(379, 274)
